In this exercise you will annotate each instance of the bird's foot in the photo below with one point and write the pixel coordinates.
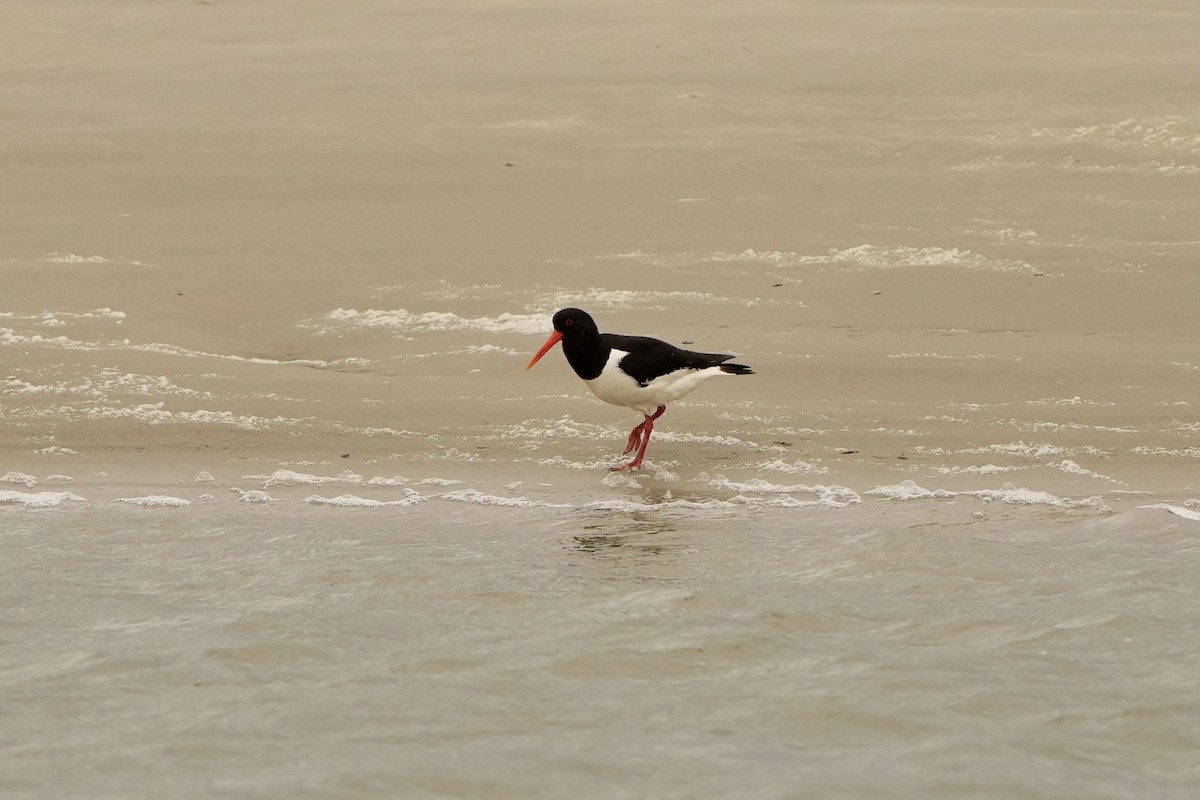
(632, 465)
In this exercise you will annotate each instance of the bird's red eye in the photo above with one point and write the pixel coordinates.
(570, 322)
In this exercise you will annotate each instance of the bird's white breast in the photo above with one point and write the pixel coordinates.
(616, 387)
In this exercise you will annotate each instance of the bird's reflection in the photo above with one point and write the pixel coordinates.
(642, 533)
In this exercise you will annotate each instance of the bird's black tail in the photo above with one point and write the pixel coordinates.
(736, 369)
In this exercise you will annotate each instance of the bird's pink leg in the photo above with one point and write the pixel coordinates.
(635, 438)
(647, 428)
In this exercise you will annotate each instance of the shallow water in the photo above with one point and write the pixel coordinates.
(887, 650)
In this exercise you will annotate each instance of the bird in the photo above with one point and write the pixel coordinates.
(636, 372)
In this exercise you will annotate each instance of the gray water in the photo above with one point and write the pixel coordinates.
(915, 650)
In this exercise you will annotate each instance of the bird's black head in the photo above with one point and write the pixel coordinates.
(577, 331)
(573, 322)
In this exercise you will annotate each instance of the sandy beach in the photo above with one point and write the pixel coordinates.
(298, 250)
(931, 232)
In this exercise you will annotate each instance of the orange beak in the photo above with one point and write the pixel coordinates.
(554, 339)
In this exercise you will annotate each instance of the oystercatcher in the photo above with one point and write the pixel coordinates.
(637, 372)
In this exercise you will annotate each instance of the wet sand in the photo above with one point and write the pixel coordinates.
(930, 231)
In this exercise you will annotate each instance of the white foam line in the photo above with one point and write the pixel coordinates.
(175, 350)
(10, 337)
(633, 506)
(1035, 450)
(479, 498)
(397, 480)
(939, 356)
(564, 427)
(839, 495)
(46, 316)
(1184, 452)
(1071, 468)
(1008, 493)
(617, 298)
(37, 499)
(154, 414)
(984, 469)
(1180, 511)
(587, 466)
(156, 501)
(785, 501)
(696, 438)
(351, 501)
(876, 257)
(19, 477)
(287, 477)
(401, 319)
(253, 496)
(795, 468)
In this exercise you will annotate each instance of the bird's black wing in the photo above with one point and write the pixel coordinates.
(651, 358)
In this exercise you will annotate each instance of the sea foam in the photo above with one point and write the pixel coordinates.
(19, 477)
(403, 320)
(1180, 511)
(1008, 493)
(287, 477)
(833, 495)
(411, 498)
(156, 501)
(479, 498)
(36, 499)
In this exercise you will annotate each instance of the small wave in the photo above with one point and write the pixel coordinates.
(1171, 133)
(908, 490)
(564, 427)
(479, 498)
(1183, 452)
(784, 501)
(1008, 493)
(253, 496)
(563, 463)
(19, 477)
(175, 350)
(941, 357)
(73, 258)
(982, 469)
(396, 480)
(37, 499)
(54, 318)
(155, 414)
(795, 468)
(1071, 468)
(618, 298)
(699, 438)
(287, 477)
(10, 337)
(401, 319)
(834, 495)
(156, 501)
(869, 256)
(1034, 450)
(667, 504)
(411, 498)
(1186, 513)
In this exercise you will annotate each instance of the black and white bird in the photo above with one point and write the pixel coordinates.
(636, 372)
